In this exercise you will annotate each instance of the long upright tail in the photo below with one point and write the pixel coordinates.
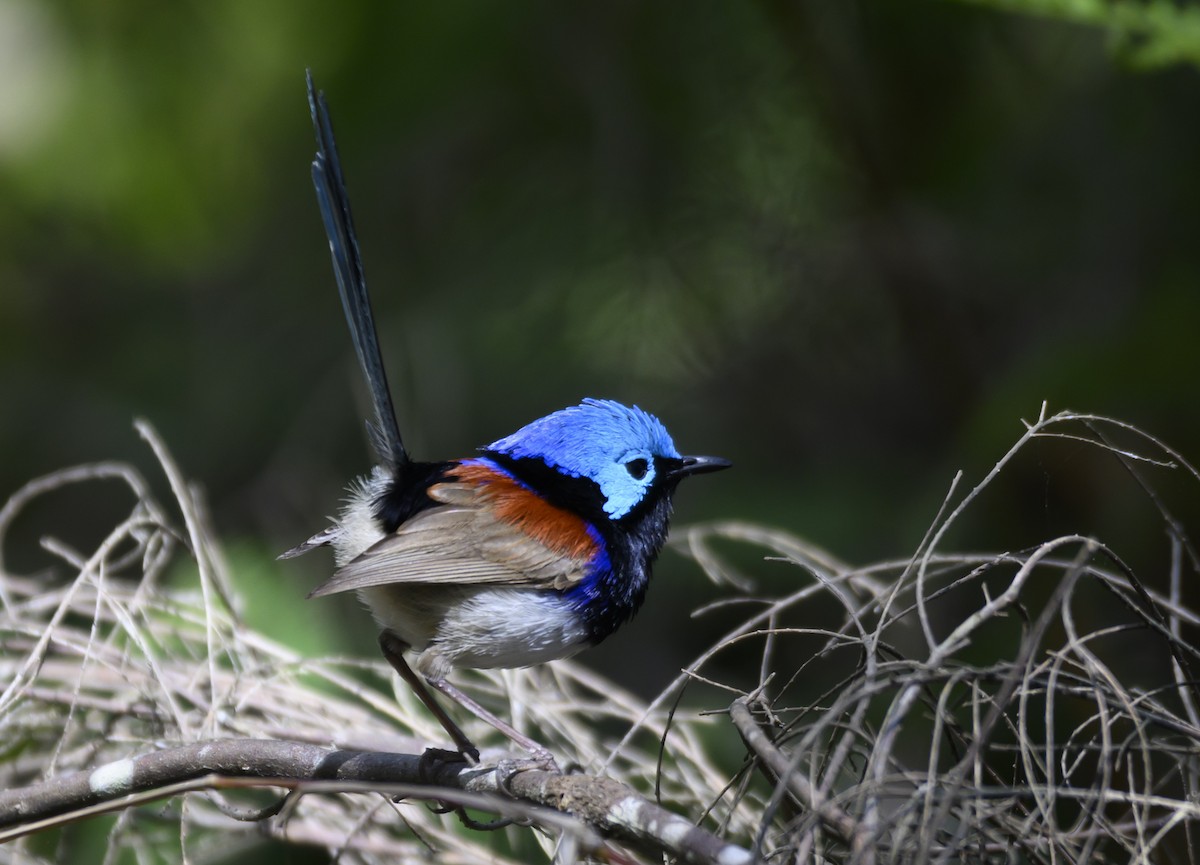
(352, 285)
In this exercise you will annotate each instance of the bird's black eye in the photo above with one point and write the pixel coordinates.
(637, 468)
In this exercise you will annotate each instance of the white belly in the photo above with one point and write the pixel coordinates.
(477, 627)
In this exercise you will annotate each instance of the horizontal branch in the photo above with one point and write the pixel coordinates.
(609, 807)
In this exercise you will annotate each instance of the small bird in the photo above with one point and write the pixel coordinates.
(536, 548)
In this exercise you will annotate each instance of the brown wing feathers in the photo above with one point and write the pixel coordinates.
(556, 529)
(487, 529)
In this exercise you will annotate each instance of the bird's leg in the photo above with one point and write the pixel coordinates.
(540, 753)
(393, 649)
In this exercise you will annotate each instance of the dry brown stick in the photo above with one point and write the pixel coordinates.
(782, 766)
(607, 806)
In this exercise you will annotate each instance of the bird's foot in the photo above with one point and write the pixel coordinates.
(540, 759)
(510, 767)
(434, 759)
(466, 751)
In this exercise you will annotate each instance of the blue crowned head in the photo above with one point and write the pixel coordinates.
(620, 449)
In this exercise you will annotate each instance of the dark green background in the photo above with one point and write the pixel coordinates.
(846, 245)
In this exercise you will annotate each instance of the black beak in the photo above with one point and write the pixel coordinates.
(697, 466)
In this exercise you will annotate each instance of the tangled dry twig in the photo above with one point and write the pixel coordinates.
(981, 707)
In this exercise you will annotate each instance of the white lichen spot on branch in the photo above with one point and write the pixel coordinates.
(112, 778)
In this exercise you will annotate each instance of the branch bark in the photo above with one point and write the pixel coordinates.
(608, 807)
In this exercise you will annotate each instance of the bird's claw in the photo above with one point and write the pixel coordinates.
(506, 770)
(433, 758)
(544, 760)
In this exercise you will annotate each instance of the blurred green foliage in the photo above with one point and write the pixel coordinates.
(1146, 34)
(847, 245)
